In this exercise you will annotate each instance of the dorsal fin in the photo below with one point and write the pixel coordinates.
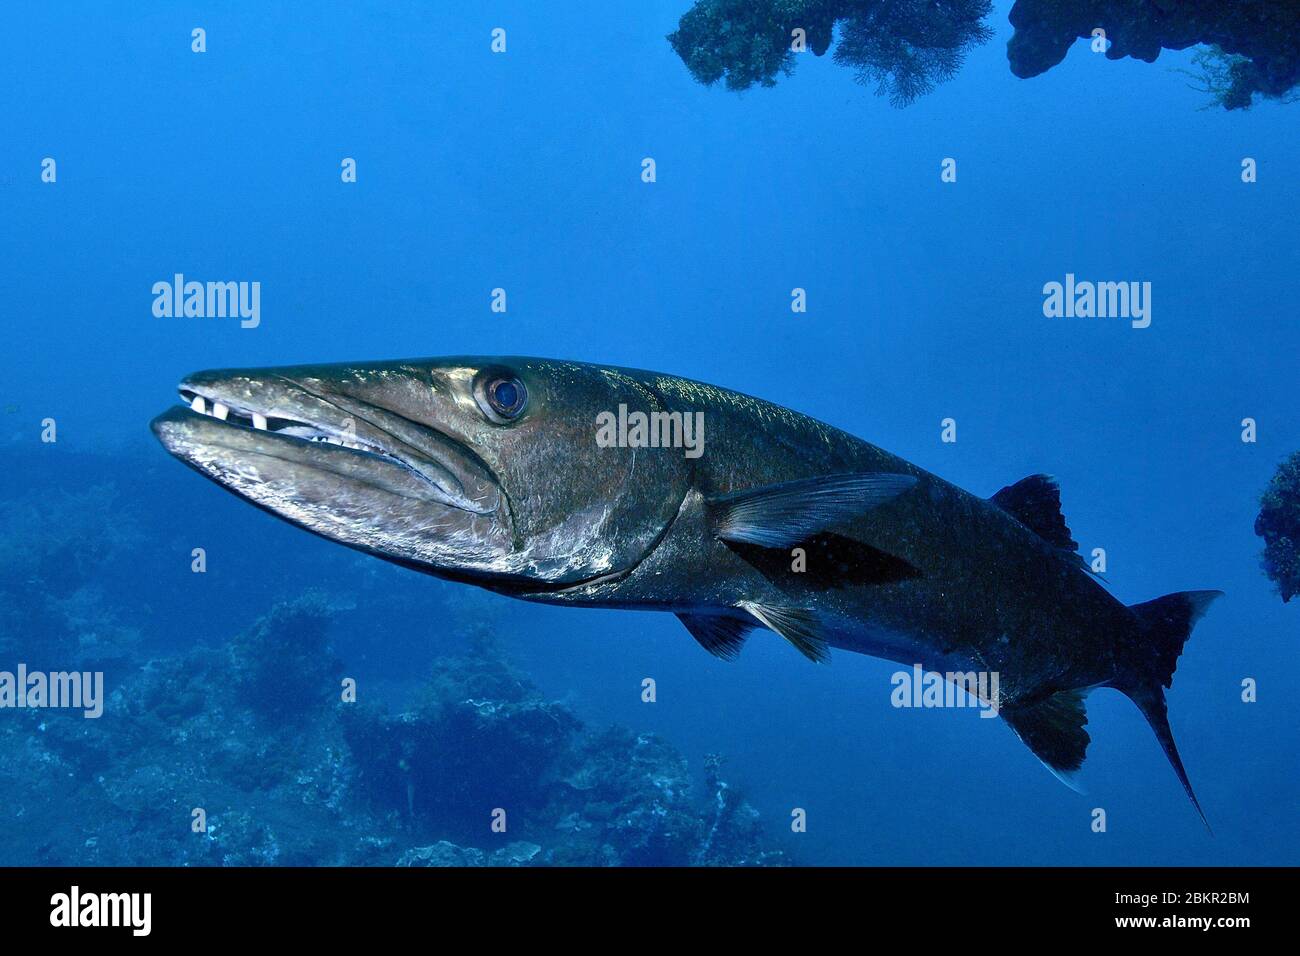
(780, 515)
(720, 635)
(1036, 503)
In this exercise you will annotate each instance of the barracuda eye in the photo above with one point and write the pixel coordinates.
(505, 396)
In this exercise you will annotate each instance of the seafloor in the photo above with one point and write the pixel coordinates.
(253, 731)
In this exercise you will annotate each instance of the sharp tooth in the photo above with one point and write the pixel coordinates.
(259, 421)
(220, 411)
(198, 405)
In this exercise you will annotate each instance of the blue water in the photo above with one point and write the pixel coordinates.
(522, 171)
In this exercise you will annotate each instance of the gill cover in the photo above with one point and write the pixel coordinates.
(579, 511)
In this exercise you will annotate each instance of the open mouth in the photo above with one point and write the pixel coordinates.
(301, 432)
(285, 427)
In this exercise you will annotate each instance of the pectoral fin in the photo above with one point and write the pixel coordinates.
(781, 515)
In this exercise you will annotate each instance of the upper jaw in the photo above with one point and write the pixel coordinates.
(272, 415)
(205, 401)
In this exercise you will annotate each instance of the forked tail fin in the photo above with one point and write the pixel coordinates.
(1147, 666)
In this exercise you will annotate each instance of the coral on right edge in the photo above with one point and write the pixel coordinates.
(1279, 525)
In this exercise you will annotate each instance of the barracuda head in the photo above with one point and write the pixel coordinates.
(481, 470)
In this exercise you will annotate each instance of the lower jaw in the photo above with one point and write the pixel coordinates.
(219, 450)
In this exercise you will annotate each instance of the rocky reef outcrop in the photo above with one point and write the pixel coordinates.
(248, 753)
(1254, 45)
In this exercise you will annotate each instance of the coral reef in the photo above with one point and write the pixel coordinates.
(1278, 524)
(254, 733)
(481, 739)
(485, 739)
(1254, 44)
(903, 48)
(443, 853)
(53, 553)
(284, 665)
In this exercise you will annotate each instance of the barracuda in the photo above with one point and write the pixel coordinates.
(488, 471)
